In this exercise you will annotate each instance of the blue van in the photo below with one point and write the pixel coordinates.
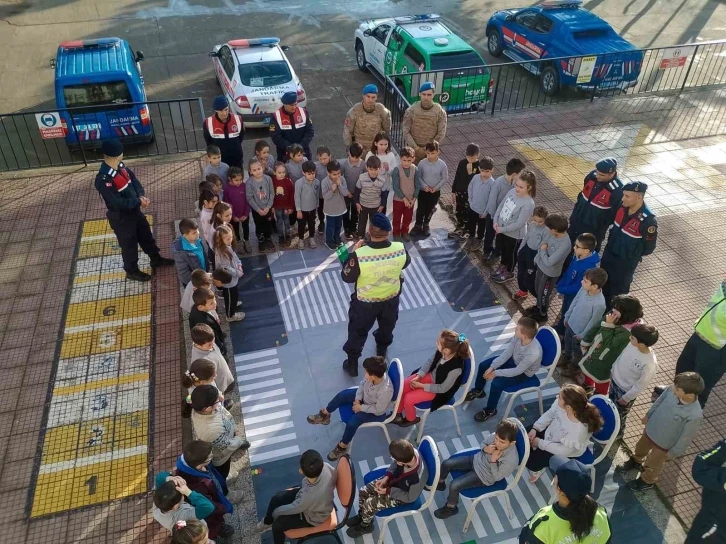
(99, 92)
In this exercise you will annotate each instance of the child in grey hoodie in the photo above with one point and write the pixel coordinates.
(556, 246)
(502, 185)
(260, 194)
(479, 192)
(510, 222)
(536, 230)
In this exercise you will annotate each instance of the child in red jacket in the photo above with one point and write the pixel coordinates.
(284, 203)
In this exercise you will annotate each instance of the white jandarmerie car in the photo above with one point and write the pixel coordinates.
(254, 74)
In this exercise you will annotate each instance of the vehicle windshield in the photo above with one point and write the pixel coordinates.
(459, 59)
(591, 33)
(97, 94)
(265, 74)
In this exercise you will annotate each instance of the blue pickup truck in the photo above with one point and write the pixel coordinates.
(561, 30)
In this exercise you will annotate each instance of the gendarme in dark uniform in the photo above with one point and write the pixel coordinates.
(375, 269)
(633, 235)
(124, 197)
(291, 124)
(226, 130)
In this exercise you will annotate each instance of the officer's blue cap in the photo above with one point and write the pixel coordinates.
(112, 148)
(220, 103)
(370, 89)
(608, 165)
(381, 221)
(426, 86)
(636, 187)
(573, 478)
(289, 98)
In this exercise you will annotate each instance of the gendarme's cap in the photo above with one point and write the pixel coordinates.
(608, 165)
(573, 478)
(289, 98)
(426, 86)
(636, 187)
(112, 148)
(370, 89)
(220, 103)
(381, 221)
(204, 396)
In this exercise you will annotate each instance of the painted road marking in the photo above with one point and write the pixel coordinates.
(96, 441)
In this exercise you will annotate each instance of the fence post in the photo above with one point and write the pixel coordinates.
(683, 86)
(496, 89)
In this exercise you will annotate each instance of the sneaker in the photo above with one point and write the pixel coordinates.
(426, 230)
(301, 244)
(406, 237)
(441, 486)
(138, 275)
(504, 277)
(337, 452)
(319, 419)
(484, 415)
(589, 390)
(262, 527)
(332, 246)
(226, 530)
(381, 351)
(639, 485)
(406, 423)
(416, 230)
(351, 367)
(630, 464)
(239, 316)
(228, 404)
(160, 261)
(235, 496)
(359, 530)
(321, 228)
(565, 361)
(474, 394)
(353, 521)
(520, 295)
(540, 318)
(245, 445)
(497, 271)
(313, 243)
(446, 511)
(530, 311)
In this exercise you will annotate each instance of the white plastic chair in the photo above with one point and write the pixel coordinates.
(395, 374)
(430, 455)
(467, 380)
(606, 436)
(550, 342)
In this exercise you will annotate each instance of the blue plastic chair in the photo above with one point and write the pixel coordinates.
(478, 494)
(430, 455)
(395, 374)
(550, 342)
(606, 436)
(467, 379)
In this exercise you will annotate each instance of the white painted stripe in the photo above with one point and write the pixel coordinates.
(283, 305)
(500, 337)
(272, 440)
(488, 311)
(497, 347)
(492, 515)
(295, 297)
(364, 469)
(430, 285)
(265, 395)
(289, 303)
(255, 355)
(550, 391)
(264, 406)
(251, 366)
(306, 289)
(299, 271)
(108, 324)
(307, 304)
(510, 326)
(269, 429)
(256, 375)
(539, 499)
(473, 441)
(322, 298)
(97, 237)
(523, 502)
(458, 444)
(274, 454)
(260, 385)
(514, 523)
(443, 450)
(438, 523)
(423, 531)
(267, 417)
(339, 294)
(497, 319)
(93, 459)
(403, 529)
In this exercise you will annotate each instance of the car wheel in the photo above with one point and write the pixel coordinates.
(360, 57)
(550, 81)
(494, 43)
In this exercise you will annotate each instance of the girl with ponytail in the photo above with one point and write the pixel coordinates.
(201, 372)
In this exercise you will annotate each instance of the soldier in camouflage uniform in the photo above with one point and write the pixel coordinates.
(366, 119)
(424, 122)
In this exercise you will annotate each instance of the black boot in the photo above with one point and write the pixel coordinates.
(157, 261)
(426, 230)
(138, 275)
(381, 351)
(351, 367)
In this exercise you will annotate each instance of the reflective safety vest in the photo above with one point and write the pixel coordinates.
(550, 528)
(300, 119)
(215, 127)
(380, 272)
(711, 326)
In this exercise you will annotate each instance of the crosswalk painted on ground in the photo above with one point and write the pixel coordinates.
(496, 325)
(318, 296)
(266, 408)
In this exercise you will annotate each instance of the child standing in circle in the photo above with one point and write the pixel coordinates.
(381, 148)
(226, 258)
(235, 194)
(284, 202)
(262, 154)
(261, 195)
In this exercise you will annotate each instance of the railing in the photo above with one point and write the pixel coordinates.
(518, 85)
(73, 135)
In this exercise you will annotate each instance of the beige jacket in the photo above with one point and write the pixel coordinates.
(421, 126)
(362, 126)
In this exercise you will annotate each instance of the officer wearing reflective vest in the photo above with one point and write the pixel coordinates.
(633, 235)
(376, 270)
(124, 198)
(226, 131)
(291, 124)
(705, 351)
(709, 470)
(575, 516)
(597, 202)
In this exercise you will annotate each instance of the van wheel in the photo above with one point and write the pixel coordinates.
(360, 57)
(494, 43)
(550, 81)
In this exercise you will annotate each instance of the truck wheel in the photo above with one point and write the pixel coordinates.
(550, 81)
(494, 42)
(360, 57)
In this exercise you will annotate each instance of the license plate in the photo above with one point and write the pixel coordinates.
(266, 120)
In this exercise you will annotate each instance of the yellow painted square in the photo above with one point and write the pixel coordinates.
(106, 340)
(96, 227)
(60, 444)
(98, 248)
(131, 430)
(130, 476)
(52, 493)
(106, 311)
(91, 484)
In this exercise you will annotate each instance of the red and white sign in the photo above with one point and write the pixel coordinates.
(675, 57)
(50, 125)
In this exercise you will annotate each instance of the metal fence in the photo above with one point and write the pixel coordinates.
(38, 139)
(518, 85)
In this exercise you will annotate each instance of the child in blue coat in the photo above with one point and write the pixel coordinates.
(584, 258)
